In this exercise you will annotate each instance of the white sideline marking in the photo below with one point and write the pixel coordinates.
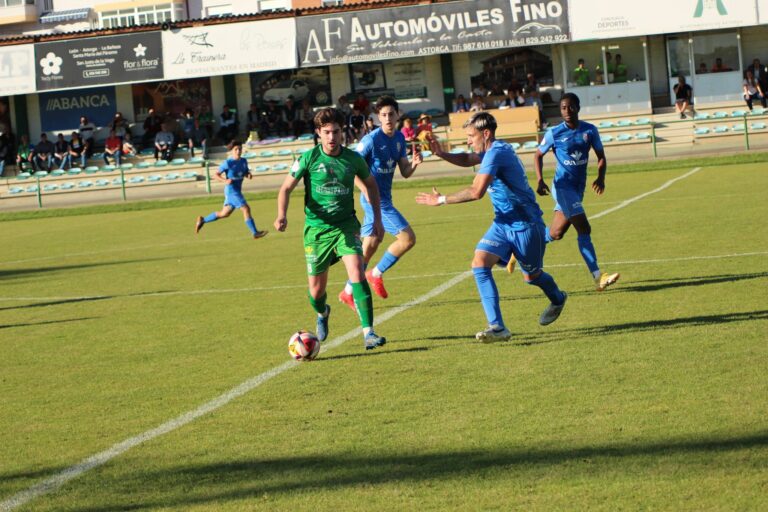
(54, 482)
(394, 278)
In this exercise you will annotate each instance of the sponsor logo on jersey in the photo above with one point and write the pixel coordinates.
(577, 159)
(492, 243)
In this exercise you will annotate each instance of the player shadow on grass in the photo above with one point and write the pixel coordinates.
(232, 482)
(529, 339)
(22, 272)
(46, 322)
(367, 353)
(74, 300)
(679, 282)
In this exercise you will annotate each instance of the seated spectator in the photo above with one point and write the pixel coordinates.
(205, 117)
(344, 106)
(581, 74)
(409, 132)
(61, 156)
(113, 147)
(198, 138)
(620, 71)
(151, 127)
(77, 149)
(683, 94)
(271, 120)
(356, 124)
(496, 90)
(305, 117)
(461, 104)
(752, 90)
(478, 105)
(128, 147)
(480, 90)
(5, 149)
(369, 124)
(719, 67)
(87, 131)
(42, 154)
(252, 119)
(228, 124)
(760, 73)
(290, 113)
(120, 125)
(362, 104)
(702, 68)
(164, 143)
(424, 131)
(24, 159)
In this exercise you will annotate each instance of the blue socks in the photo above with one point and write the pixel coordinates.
(387, 261)
(210, 217)
(548, 238)
(252, 226)
(549, 287)
(489, 295)
(588, 252)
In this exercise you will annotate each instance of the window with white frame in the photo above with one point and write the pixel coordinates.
(147, 15)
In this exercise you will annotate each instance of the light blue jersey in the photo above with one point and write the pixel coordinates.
(571, 149)
(235, 170)
(382, 153)
(514, 202)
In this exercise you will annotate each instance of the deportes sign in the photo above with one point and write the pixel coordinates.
(378, 34)
(61, 110)
(98, 60)
(229, 49)
(17, 69)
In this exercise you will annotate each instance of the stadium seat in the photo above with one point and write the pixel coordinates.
(196, 160)
(758, 126)
(250, 155)
(306, 136)
(15, 190)
(261, 168)
(85, 184)
(606, 138)
(147, 151)
(426, 154)
(154, 177)
(739, 127)
(143, 165)
(58, 172)
(189, 174)
(290, 138)
(136, 179)
(91, 169)
(161, 163)
(702, 130)
(127, 167)
(530, 144)
(108, 168)
(172, 176)
(41, 174)
(117, 181)
(280, 167)
(285, 152)
(267, 154)
(720, 129)
(31, 189)
(642, 120)
(67, 185)
(178, 161)
(74, 171)
(623, 122)
(515, 145)
(102, 183)
(701, 115)
(642, 135)
(739, 113)
(301, 151)
(605, 124)
(720, 115)
(623, 137)
(23, 175)
(758, 111)
(50, 187)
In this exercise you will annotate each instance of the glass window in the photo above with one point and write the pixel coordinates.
(590, 72)
(626, 61)
(679, 62)
(716, 52)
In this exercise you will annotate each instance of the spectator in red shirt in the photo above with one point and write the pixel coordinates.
(113, 147)
(362, 104)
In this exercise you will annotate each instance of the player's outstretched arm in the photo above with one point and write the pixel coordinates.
(283, 196)
(460, 159)
(406, 167)
(472, 193)
(372, 193)
(538, 164)
(602, 165)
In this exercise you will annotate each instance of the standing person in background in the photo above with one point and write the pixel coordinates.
(517, 230)
(362, 104)
(198, 138)
(331, 230)
(620, 72)
(152, 125)
(581, 74)
(571, 142)
(87, 131)
(120, 125)
(384, 149)
(228, 124)
(232, 172)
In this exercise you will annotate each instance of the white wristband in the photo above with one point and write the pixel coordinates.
(440, 199)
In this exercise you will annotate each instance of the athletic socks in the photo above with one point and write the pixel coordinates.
(387, 261)
(489, 295)
(210, 217)
(251, 226)
(363, 302)
(549, 287)
(548, 238)
(318, 304)
(588, 252)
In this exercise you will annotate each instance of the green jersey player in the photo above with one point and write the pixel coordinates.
(331, 230)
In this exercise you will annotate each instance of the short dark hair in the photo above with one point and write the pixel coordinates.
(571, 96)
(329, 115)
(386, 101)
(233, 144)
(482, 121)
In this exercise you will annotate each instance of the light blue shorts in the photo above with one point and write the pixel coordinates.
(527, 245)
(568, 199)
(234, 200)
(393, 220)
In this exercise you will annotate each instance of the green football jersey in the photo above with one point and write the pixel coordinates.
(329, 184)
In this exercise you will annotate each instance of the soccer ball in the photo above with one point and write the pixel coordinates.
(303, 346)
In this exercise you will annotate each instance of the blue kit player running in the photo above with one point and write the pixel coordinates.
(571, 141)
(517, 229)
(232, 171)
(384, 149)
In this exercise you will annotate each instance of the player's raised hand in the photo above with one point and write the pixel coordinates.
(281, 223)
(599, 186)
(417, 156)
(432, 199)
(542, 189)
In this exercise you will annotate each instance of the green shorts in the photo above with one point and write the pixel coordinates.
(324, 246)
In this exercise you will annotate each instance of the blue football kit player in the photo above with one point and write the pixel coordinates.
(384, 149)
(571, 142)
(232, 171)
(517, 230)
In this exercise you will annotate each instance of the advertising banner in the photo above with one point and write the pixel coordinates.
(230, 49)
(98, 60)
(313, 84)
(601, 19)
(17, 69)
(381, 34)
(762, 12)
(61, 110)
(407, 77)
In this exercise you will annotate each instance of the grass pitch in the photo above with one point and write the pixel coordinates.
(652, 395)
